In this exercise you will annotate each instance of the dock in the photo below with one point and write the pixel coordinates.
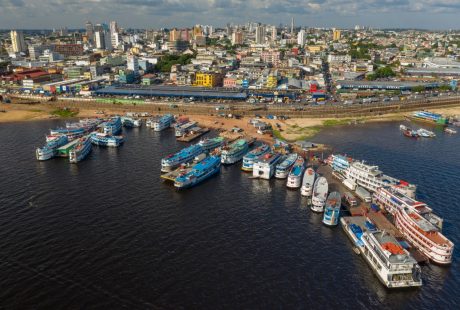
(171, 176)
(63, 151)
(193, 134)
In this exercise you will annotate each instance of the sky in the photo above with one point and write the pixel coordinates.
(48, 14)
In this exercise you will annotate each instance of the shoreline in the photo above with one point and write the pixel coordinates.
(290, 130)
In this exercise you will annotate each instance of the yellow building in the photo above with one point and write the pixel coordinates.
(272, 81)
(314, 48)
(174, 35)
(208, 79)
(336, 35)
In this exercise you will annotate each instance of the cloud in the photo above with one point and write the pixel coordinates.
(157, 13)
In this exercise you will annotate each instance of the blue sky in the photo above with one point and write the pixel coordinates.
(429, 14)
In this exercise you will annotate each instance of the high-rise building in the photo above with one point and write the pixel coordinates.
(336, 35)
(301, 38)
(17, 41)
(99, 37)
(292, 26)
(237, 37)
(197, 31)
(89, 31)
(260, 34)
(174, 35)
(274, 33)
(133, 64)
(113, 27)
(115, 39)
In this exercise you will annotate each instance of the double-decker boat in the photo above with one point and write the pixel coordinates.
(209, 144)
(307, 182)
(199, 172)
(249, 158)
(371, 178)
(320, 190)
(185, 155)
(332, 209)
(234, 152)
(294, 179)
(49, 150)
(163, 122)
(265, 165)
(113, 126)
(285, 165)
(81, 150)
(71, 133)
(102, 139)
(418, 224)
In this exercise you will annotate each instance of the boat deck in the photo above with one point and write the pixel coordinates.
(64, 150)
(383, 223)
(193, 136)
(171, 176)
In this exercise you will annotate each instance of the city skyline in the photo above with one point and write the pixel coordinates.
(45, 14)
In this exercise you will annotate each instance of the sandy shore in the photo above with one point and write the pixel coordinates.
(292, 129)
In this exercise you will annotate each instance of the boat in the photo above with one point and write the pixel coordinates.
(332, 209)
(264, 166)
(419, 225)
(403, 127)
(72, 133)
(429, 117)
(307, 182)
(127, 122)
(209, 144)
(200, 172)
(320, 189)
(339, 163)
(234, 152)
(163, 122)
(391, 263)
(49, 150)
(81, 150)
(285, 165)
(371, 178)
(102, 139)
(250, 157)
(450, 131)
(349, 183)
(422, 132)
(294, 179)
(350, 199)
(184, 128)
(112, 127)
(87, 124)
(410, 133)
(185, 155)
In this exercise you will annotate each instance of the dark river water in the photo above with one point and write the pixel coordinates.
(108, 232)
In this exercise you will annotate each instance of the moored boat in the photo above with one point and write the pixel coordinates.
(250, 157)
(199, 172)
(209, 144)
(285, 165)
(294, 179)
(185, 155)
(450, 131)
(422, 132)
(264, 166)
(81, 150)
(307, 182)
(102, 139)
(184, 128)
(332, 209)
(320, 190)
(234, 152)
(429, 117)
(49, 150)
(163, 122)
(113, 126)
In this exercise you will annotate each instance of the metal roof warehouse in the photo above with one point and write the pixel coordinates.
(171, 91)
(383, 85)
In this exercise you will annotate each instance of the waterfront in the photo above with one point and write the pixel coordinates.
(109, 232)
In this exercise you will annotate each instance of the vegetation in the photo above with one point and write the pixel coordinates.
(336, 122)
(383, 72)
(65, 112)
(166, 62)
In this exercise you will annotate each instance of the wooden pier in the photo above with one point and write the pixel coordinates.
(193, 135)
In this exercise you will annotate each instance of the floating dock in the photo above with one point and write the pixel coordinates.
(193, 134)
(63, 151)
(171, 176)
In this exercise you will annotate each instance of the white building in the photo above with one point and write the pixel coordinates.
(115, 39)
(338, 58)
(133, 64)
(17, 41)
(100, 39)
(301, 38)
